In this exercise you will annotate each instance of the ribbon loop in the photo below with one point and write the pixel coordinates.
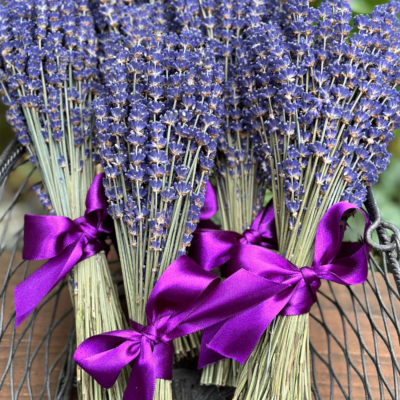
(211, 248)
(65, 243)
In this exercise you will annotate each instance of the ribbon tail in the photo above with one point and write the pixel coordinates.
(29, 293)
(164, 354)
(210, 206)
(240, 292)
(208, 356)
(238, 336)
(142, 381)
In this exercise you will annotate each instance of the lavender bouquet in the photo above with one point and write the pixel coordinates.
(49, 79)
(325, 110)
(125, 25)
(242, 175)
(157, 127)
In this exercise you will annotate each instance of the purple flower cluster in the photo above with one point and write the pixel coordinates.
(48, 75)
(42, 42)
(239, 160)
(124, 20)
(325, 103)
(156, 127)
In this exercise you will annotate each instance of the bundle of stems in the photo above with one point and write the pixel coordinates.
(327, 113)
(118, 24)
(49, 79)
(157, 127)
(242, 175)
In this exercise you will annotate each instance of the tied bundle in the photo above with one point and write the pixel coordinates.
(49, 78)
(325, 108)
(156, 126)
(241, 176)
(122, 26)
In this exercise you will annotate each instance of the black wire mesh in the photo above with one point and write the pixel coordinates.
(355, 331)
(35, 359)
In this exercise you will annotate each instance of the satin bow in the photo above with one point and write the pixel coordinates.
(211, 248)
(182, 302)
(65, 242)
(343, 263)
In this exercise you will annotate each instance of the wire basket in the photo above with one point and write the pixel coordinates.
(355, 331)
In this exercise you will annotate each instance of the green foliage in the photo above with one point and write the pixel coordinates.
(365, 6)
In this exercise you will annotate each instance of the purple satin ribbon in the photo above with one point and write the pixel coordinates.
(65, 242)
(211, 248)
(210, 207)
(183, 301)
(234, 314)
(343, 263)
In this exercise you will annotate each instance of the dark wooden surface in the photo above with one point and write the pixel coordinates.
(56, 344)
(334, 322)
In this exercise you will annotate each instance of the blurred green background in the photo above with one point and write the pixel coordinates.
(387, 190)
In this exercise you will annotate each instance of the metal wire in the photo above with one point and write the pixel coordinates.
(7, 160)
(355, 331)
(29, 365)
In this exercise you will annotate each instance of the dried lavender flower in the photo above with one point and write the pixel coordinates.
(44, 199)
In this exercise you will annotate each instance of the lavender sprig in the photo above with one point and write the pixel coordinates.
(326, 110)
(49, 77)
(44, 199)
